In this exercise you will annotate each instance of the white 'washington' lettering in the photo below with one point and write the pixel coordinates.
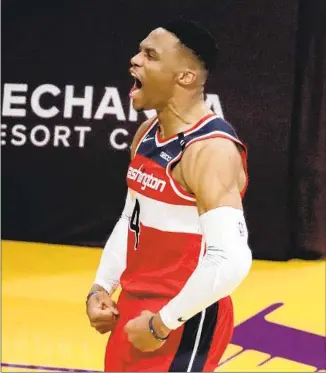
(147, 180)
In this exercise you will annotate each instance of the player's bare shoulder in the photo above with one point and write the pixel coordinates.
(138, 135)
(211, 167)
(211, 151)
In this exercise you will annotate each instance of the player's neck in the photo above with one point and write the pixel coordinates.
(179, 116)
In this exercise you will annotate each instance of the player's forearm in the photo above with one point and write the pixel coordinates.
(224, 266)
(113, 260)
(114, 255)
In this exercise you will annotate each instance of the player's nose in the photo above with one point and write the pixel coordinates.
(137, 60)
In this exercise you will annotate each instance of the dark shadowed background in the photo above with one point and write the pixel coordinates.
(270, 82)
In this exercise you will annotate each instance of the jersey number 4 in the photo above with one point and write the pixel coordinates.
(134, 223)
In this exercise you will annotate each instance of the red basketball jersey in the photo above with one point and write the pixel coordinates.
(164, 238)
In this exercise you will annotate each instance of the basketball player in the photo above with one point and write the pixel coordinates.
(180, 247)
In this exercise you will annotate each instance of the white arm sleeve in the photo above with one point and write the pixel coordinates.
(224, 266)
(114, 257)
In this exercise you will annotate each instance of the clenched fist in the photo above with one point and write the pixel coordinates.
(102, 311)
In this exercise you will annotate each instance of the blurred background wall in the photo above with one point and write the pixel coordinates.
(67, 121)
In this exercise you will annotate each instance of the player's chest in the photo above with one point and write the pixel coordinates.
(152, 178)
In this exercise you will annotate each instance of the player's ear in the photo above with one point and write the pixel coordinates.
(187, 77)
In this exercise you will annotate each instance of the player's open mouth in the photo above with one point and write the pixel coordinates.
(136, 87)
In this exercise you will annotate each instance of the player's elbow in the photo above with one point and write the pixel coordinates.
(239, 265)
(243, 264)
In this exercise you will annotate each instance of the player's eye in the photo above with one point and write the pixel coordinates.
(150, 55)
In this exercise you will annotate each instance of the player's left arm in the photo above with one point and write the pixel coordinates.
(211, 170)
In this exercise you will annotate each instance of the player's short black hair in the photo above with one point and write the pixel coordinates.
(195, 37)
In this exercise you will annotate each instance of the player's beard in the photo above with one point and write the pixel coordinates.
(137, 107)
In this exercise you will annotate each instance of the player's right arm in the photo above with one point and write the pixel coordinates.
(113, 260)
(101, 309)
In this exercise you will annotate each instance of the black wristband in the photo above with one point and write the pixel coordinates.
(152, 330)
(91, 293)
